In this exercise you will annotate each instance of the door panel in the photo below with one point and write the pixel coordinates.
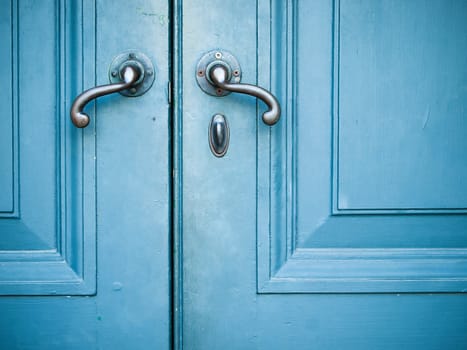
(348, 165)
(48, 235)
(84, 254)
(328, 229)
(8, 182)
(399, 100)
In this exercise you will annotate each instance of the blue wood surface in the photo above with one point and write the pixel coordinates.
(400, 104)
(316, 244)
(8, 185)
(276, 258)
(342, 227)
(84, 254)
(48, 241)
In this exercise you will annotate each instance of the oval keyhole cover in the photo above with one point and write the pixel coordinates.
(219, 135)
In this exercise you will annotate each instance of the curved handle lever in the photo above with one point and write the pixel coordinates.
(130, 75)
(219, 76)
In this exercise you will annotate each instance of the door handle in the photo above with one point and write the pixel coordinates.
(218, 73)
(131, 74)
(81, 119)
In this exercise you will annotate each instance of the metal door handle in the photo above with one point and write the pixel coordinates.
(218, 73)
(81, 119)
(131, 74)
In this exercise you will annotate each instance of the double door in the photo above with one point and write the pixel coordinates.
(178, 218)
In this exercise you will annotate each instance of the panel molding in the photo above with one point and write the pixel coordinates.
(69, 268)
(370, 270)
(282, 267)
(12, 212)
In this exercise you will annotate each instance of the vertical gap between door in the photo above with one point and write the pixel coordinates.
(175, 60)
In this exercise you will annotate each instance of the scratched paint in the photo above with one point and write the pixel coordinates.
(156, 18)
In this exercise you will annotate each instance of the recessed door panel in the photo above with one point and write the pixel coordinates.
(8, 183)
(48, 234)
(399, 104)
(358, 190)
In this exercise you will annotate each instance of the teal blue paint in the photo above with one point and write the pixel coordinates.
(48, 244)
(7, 165)
(283, 259)
(314, 246)
(400, 98)
(84, 257)
(290, 240)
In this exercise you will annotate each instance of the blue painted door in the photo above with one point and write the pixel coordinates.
(84, 213)
(343, 226)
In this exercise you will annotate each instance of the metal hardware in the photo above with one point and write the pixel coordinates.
(207, 62)
(140, 60)
(219, 135)
(218, 74)
(128, 74)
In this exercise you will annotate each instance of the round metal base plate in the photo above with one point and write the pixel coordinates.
(136, 58)
(210, 59)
